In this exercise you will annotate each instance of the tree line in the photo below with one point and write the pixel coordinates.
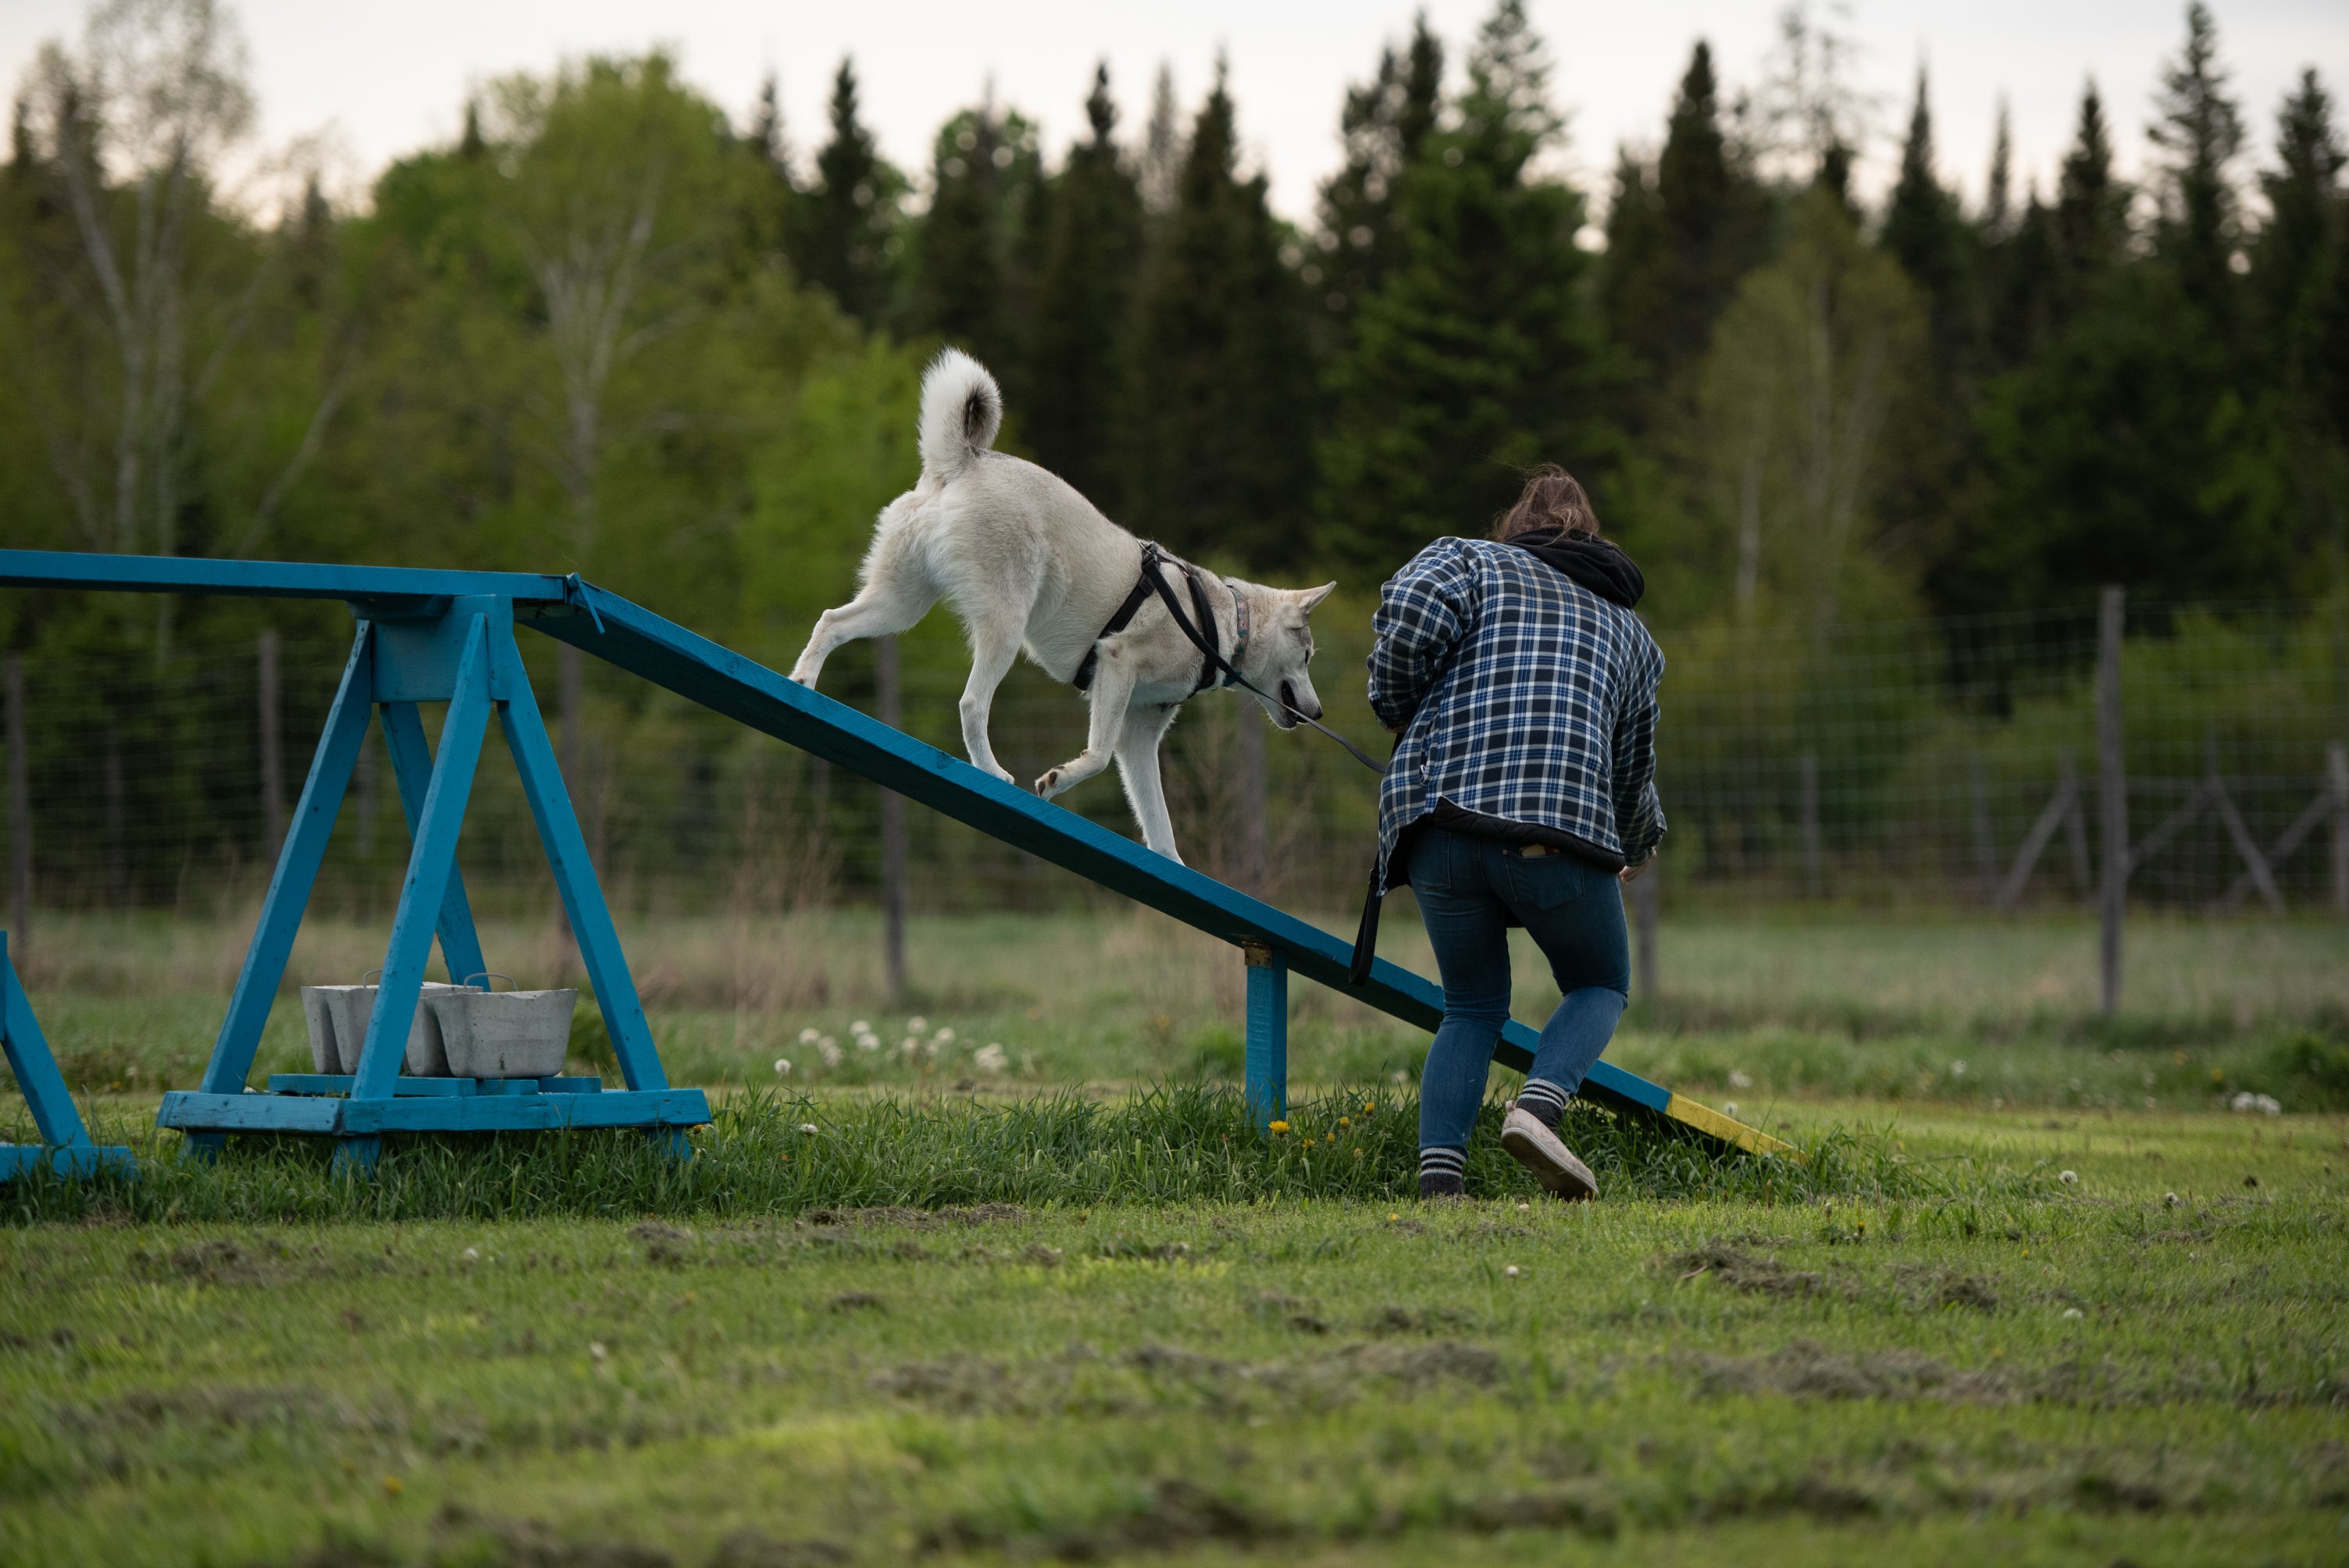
(614, 329)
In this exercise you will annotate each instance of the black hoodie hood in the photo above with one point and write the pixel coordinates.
(1596, 563)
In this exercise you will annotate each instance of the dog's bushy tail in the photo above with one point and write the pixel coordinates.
(961, 411)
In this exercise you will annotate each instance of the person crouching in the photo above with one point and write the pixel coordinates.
(1523, 787)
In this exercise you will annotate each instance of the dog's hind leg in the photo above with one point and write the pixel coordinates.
(897, 593)
(1137, 760)
(994, 644)
(1112, 689)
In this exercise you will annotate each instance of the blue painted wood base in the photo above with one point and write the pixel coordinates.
(444, 1088)
(321, 1116)
(71, 1160)
(1267, 1067)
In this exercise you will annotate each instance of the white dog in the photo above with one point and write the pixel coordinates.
(1029, 563)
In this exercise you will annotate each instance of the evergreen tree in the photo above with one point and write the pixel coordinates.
(1634, 281)
(843, 239)
(2300, 280)
(1998, 200)
(1081, 335)
(1383, 127)
(2201, 130)
(2298, 260)
(2091, 213)
(1714, 217)
(1223, 386)
(1926, 234)
(960, 248)
(1477, 357)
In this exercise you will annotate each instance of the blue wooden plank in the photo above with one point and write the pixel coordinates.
(523, 1113)
(428, 865)
(193, 1111)
(76, 1160)
(582, 897)
(1267, 1063)
(38, 1078)
(259, 579)
(411, 770)
(297, 870)
(445, 1088)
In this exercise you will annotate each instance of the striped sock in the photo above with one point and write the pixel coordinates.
(1543, 1100)
(1441, 1171)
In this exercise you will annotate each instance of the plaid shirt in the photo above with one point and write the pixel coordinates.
(1519, 694)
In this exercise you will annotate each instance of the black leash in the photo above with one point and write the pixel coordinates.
(1154, 574)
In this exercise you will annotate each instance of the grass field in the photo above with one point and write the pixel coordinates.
(2010, 1315)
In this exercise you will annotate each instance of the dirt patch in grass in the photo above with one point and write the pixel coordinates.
(912, 1218)
(1930, 1288)
(1177, 1513)
(1392, 1320)
(1742, 1271)
(1808, 1370)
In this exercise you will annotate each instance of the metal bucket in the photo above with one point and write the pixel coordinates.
(503, 1033)
(337, 1016)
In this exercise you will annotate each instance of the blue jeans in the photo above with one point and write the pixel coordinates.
(1468, 888)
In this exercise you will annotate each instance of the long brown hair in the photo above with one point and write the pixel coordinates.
(1553, 499)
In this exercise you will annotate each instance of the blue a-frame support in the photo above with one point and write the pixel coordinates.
(459, 649)
(65, 1147)
(441, 636)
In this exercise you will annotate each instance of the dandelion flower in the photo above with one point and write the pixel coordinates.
(1394, 1216)
(391, 1486)
(595, 1348)
(1739, 1080)
(1512, 1272)
(471, 1254)
(1729, 1107)
(918, 1023)
(1345, 1121)
(860, 1028)
(944, 1036)
(1957, 1070)
(809, 1036)
(2073, 1314)
(868, 1042)
(1366, 1108)
(990, 1058)
(2069, 1178)
(783, 1067)
(808, 1128)
(1277, 1127)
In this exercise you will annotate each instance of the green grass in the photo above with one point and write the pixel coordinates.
(1827, 1004)
(1935, 1350)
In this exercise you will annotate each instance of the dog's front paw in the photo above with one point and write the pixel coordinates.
(1051, 785)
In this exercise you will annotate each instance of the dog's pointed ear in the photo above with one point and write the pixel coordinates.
(1311, 597)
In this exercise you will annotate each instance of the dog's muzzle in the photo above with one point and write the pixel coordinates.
(1287, 718)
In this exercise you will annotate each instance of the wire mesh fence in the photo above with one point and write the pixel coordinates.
(1949, 763)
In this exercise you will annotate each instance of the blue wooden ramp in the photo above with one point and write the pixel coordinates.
(441, 625)
(65, 1147)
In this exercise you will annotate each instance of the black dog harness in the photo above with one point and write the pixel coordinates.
(1214, 667)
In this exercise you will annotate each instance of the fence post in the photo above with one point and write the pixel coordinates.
(893, 833)
(1985, 847)
(2112, 798)
(20, 808)
(1252, 797)
(1814, 870)
(2337, 769)
(272, 777)
(117, 851)
(1646, 895)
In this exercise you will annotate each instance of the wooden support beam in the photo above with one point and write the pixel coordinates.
(894, 870)
(2112, 798)
(2060, 805)
(20, 806)
(1267, 1063)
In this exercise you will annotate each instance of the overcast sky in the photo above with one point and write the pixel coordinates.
(384, 79)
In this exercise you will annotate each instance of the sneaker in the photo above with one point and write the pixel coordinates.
(1542, 1151)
